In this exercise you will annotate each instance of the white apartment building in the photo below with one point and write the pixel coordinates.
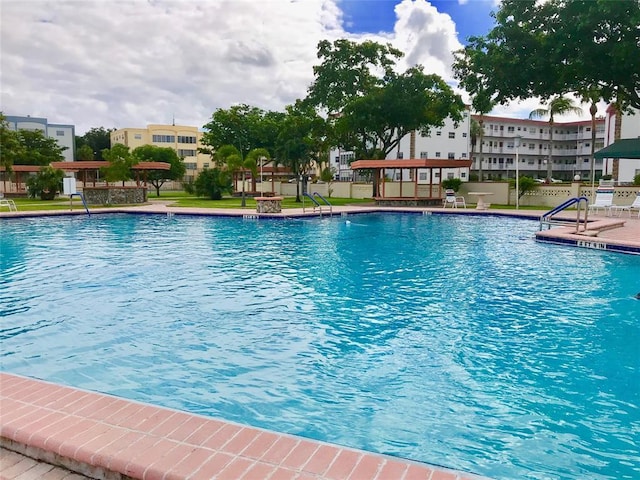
(64, 135)
(571, 148)
(448, 142)
(629, 128)
(185, 140)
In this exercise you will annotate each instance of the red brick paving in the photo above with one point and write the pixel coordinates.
(108, 434)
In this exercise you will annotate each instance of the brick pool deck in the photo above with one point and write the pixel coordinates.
(105, 437)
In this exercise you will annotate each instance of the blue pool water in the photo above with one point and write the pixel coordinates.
(448, 339)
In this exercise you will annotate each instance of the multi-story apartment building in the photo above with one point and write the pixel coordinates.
(571, 148)
(629, 128)
(185, 140)
(448, 142)
(64, 135)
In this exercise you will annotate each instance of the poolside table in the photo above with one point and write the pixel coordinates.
(481, 205)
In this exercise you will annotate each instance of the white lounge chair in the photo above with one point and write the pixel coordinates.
(7, 202)
(453, 201)
(604, 201)
(634, 206)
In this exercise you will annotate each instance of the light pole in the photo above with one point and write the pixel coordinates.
(517, 147)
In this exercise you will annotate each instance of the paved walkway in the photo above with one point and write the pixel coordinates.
(15, 466)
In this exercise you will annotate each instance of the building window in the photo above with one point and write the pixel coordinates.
(164, 138)
(464, 155)
(138, 136)
(452, 134)
(450, 175)
(437, 154)
(186, 139)
(422, 176)
(424, 154)
(510, 129)
(60, 133)
(186, 153)
(451, 155)
(400, 155)
(464, 134)
(463, 174)
(438, 133)
(190, 165)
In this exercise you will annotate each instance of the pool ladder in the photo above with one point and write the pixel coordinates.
(315, 202)
(546, 220)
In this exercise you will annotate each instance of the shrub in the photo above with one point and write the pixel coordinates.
(636, 179)
(213, 183)
(46, 183)
(452, 183)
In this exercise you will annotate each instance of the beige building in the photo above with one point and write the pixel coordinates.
(183, 139)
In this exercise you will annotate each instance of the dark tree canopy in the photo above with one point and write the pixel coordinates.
(97, 138)
(243, 126)
(38, 149)
(550, 48)
(374, 106)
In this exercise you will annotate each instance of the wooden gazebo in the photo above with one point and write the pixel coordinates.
(417, 191)
(88, 171)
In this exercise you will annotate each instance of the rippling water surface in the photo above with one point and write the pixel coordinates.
(453, 340)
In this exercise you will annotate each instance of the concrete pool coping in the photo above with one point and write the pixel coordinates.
(624, 238)
(108, 437)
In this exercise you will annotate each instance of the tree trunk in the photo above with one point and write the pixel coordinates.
(481, 122)
(550, 160)
(593, 110)
(617, 133)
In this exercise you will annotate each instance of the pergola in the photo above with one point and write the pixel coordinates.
(428, 192)
(88, 170)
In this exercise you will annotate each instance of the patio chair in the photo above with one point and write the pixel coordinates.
(453, 201)
(634, 206)
(7, 202)
(604, 201)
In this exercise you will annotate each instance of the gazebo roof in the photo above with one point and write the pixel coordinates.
(624, 148)
(410, 163)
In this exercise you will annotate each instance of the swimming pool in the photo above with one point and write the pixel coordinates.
(453, 340)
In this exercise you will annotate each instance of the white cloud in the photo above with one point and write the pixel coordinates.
(131, 63)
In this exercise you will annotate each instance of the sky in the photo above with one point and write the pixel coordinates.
(131, 63)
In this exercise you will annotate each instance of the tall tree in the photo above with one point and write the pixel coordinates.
(482, 104)
(11, 148)
(556, 107)
(38, 149)
(372, 107)
(243, 126)
(85, 152)
(302, 140)
(120, 163)
(474, 135)
(153, 153)
(349, 70)
(550, 48)
(97, 138)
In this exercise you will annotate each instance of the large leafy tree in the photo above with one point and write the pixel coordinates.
(550, 48)
(97, 139)
(11, 148)
(233, 161)
(555, 107)
(372, 105)
(242, 126)
(120, 162)
(38, 149)
(153, 153)
(302, 140)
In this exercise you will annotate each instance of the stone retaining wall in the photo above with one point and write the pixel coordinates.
(114, 195)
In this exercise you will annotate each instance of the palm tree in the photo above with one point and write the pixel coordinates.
(557, 106)
(482, 104)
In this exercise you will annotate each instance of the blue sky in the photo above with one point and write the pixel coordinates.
(373, 16)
